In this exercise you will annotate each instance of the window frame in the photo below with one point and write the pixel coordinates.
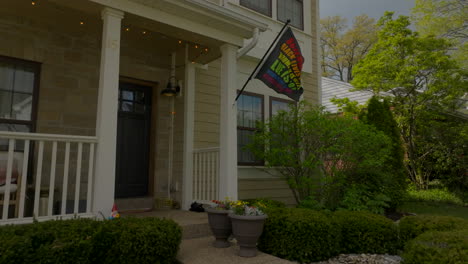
(270, 11)
(302, 18)
(36, 66)
(272, 98)
(262, 97)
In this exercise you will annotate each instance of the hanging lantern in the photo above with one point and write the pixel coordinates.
(171, 89)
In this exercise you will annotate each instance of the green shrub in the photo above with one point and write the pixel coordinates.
(363, 232)
(360, 198)
(300, 235)
(413, 226)
(438, 247)
(127, 240)
(311, 203)
(267, 202)
(381, 117)
(440, 195)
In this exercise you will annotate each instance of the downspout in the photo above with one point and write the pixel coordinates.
(242, 51)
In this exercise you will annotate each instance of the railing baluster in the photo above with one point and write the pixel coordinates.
(213, 180)
(9, 171)
(53, 163)
(78, 177)
(37, 189)
(217, 174)
(203, 185)
(24, 179)
(200, 175)
(210, 166)
(90, 177)
(65, 178)
(195, 176)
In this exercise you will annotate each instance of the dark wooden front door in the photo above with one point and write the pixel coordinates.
(133, 130)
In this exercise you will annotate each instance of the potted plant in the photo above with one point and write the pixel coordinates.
(220, 223)
(247, 226)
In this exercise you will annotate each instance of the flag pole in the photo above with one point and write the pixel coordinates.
(263, 58)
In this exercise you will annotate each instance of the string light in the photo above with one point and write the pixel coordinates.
(81, 23)
(200, 53)
(33, 2)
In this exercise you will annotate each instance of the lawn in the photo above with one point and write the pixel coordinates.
(434, 201)
(434, 208)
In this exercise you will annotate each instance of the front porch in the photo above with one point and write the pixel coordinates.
(65, 162)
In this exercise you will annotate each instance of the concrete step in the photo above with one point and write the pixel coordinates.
(135, 204)
(196, 231)
(194, 225)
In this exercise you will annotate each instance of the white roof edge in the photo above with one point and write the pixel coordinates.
(228, 13)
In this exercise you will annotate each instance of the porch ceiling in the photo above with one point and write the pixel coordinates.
(193, 18)
(160, 38)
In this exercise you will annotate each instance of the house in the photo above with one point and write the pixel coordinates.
(84, 117)
(332, 88)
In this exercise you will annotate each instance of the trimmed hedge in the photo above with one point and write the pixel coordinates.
(363, 232)
(126, 240)
(305, 235)
(267, 202)
(438, 247)
(413, 226)
(300, 235)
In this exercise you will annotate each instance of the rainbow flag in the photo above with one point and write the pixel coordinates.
(281, 70)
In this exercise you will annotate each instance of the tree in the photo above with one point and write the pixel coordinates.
(322, 156)
(341, 47)
(446, 19)
(420, 75)
(380, 116)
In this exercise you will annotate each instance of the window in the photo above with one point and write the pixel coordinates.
(278, 104)
(249, 113)
(291, 9)
(19, 82)
(261, 6)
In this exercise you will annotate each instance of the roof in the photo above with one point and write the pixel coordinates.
(333, 88)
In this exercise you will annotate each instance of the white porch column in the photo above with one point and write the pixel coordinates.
(189, 127)
(228, 124)
(106, 124)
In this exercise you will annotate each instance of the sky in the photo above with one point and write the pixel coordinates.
(373, 8)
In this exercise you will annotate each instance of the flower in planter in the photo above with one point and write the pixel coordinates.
(226, 204)
(242, 208)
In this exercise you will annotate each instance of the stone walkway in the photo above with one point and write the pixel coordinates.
(200, 251)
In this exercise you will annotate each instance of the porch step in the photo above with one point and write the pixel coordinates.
(196, 231)
(135, 204)
(194, 225)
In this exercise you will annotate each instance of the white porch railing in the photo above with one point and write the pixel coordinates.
(43, 176)
(205, 174)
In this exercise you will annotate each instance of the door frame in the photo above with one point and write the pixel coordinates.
(153, 128)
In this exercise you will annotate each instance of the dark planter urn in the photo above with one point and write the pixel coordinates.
(221, 226)
(247, 230)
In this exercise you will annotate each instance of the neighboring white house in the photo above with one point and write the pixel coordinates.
(337, 89)
(84, 124)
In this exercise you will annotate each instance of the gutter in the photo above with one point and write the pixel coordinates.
(244, 50)
(221, 10)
